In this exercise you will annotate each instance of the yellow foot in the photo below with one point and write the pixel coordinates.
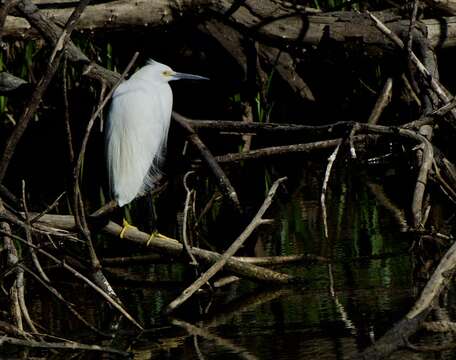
(126, 225)
(156, 234)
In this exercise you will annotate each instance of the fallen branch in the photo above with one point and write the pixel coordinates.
(174, 248)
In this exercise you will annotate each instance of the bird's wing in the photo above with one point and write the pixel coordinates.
(137, 129)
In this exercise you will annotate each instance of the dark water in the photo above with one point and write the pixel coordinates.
(344, 306)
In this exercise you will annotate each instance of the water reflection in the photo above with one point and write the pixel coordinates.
(280, 324)
(349, 300)
(346, 305)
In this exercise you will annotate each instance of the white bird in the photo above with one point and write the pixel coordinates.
(137, 130)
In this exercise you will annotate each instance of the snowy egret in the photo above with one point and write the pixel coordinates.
(137, 131)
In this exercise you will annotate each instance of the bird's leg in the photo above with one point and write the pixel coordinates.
(126, 225)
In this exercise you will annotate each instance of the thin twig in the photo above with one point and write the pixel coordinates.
(189, 195)
(59, 296)
(331, 160)
(81, 277)
(382, 199)
(282, 150)
(49, 208)
(8, 195)
(41, 87)
(28, 235)
(413, 83)
(20, 285)
(69, 136)
(226, 188)
(234, 247)
(11, 260)
(382, 102)
(282, 260)
(78, 204)
(438, 88)
(215, 197)
(351, 141)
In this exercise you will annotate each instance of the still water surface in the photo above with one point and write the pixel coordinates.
(345, 305)
(342, 309)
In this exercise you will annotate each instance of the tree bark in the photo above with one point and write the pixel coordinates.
(284, 27)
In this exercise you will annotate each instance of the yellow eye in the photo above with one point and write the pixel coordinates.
(167, 73)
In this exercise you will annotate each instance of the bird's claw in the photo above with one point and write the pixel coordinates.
(156, 234)
(152, 235)
(126, 225)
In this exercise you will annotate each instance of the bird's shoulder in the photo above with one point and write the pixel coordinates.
(137, 87)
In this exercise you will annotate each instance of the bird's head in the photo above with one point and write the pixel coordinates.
(165, 73)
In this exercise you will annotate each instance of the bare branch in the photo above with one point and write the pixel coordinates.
(234, 247)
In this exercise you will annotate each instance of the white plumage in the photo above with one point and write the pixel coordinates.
(137, 130)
